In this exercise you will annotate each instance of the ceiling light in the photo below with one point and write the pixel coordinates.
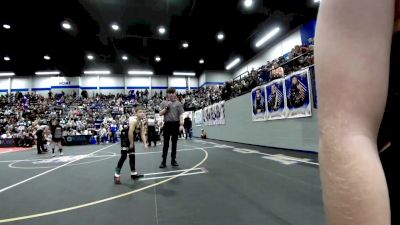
(115, 26)
(96, 72)
(185, 44)
(220, 36)
(248, 3)
(124, 57)
(90, 57)
(316, 1)
(201, 61)
(161, 30)
(140, 72)
(6, 26)
(158, 58)
(66, 25)
(47, 73)
(46, 57)
(4, 74)
(267, 37)
(233, 64)
(6, 58)
(184, 74)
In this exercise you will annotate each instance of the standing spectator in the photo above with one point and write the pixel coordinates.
(187, 124)
(113, 130)
(40, 141)
(84, 94)
(151, 124)
(203, 134)
(56, 132)
(228, 88)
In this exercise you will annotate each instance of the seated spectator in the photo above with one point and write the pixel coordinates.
(253, 83)
(203, 134)
(6, 135)
(277, 71)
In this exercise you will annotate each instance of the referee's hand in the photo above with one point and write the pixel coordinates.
(169, 105)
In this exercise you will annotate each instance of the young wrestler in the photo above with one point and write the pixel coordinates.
(136, 126)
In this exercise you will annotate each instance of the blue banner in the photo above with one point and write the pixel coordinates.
(258, 103)
(214, 114)
(276, 99)
(298, 94)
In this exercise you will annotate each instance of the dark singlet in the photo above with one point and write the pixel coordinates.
(259, 103)
(388, 142)
(125, 135)
(294, 96)
(125, 138)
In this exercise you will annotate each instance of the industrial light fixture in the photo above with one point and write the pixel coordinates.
(268, 36)
(157, 58)
(220, 36)
(140, 72)
(4, 74)
(201, 61)
(248, 3)
(124, 57)
(47, 73)
(115, 27)
(6, 58)
(90, 57)
(46, 57)
(6, 26)
(66, 25)
(184, 74)
(185, 44)
(96, 72)
(234, 63)
(161, 30)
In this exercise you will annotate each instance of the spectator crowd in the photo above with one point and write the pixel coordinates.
(103, 116)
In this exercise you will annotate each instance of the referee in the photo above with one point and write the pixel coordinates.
(172, 111)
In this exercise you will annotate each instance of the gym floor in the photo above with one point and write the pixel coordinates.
(217, 183)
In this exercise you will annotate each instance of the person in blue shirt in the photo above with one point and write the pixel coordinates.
(113, 129)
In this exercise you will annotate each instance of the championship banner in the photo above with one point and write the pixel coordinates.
(214, 114)
(198, 117)
(204, 115)
(259, 108)
(221, 112)
(276, 100)
(298, 94)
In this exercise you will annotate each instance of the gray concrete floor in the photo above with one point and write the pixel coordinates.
(232, 184)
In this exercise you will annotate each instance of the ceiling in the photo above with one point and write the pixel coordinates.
(36, 31)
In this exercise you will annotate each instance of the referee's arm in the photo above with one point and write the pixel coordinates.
(164, 109)
(163, 112)
(181, 111)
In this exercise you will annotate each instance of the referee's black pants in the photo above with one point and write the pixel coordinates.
(170, 129)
